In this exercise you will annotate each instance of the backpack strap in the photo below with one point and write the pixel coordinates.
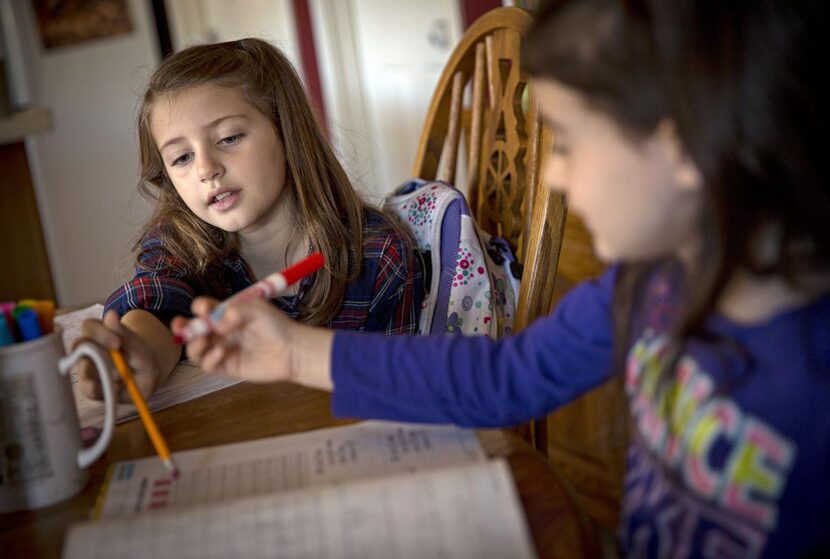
(467, 292)
(430, 211)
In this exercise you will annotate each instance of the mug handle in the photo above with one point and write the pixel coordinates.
(89, 455)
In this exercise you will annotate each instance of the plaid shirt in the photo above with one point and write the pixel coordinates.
(386, 297)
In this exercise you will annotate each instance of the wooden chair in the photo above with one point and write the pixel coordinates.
(504, 143)
(484, 98)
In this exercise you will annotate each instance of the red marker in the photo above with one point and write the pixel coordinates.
(266, 288)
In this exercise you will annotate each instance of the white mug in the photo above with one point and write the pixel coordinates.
(42, 458)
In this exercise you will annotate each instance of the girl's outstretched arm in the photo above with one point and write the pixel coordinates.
(473, 381)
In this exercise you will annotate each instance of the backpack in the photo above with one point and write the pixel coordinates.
(471, 278)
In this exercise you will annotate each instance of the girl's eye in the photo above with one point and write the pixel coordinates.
(231, 140)
(181, 160)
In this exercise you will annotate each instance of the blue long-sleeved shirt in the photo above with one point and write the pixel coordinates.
(730, 458)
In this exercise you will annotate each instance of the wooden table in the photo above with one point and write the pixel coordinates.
(249, 411)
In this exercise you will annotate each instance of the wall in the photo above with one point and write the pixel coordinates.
(85, 170)
(196, 21)
(379, 66)
(380, 61)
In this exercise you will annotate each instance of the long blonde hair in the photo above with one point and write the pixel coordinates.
(327, 206)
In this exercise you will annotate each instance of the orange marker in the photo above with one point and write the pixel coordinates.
(45, 310)
(146, 418)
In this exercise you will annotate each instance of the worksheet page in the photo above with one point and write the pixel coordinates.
(328, 456)
(458, 511)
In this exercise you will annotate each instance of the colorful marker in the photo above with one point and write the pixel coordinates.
(6, 336)
(28, 324)
(7, 307)
(45, 310)
(6, 310)
(266, 288)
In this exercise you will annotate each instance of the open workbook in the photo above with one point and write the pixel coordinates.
(374, 489)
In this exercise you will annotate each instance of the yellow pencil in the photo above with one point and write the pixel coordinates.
(144, 413)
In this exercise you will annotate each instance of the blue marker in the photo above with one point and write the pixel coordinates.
(29, 325)
(6, 337)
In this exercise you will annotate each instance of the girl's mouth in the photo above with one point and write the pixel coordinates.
(225, 201)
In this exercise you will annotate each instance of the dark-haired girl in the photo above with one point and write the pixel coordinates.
(688, 137)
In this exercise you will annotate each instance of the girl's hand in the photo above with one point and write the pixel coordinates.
(139, 355)
(253, 341)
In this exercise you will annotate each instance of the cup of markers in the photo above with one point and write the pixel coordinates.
(25, 320)
(42, 456)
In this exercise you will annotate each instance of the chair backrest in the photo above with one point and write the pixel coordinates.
(483, 95)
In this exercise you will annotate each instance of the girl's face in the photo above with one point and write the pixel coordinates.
(224, 157)
(639, 197)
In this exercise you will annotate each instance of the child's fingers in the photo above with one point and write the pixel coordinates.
(98, 332)
(136, 351)
(236, 317)
(178, 324)
(212, 359)
(203, 305)
(112, 321)
(233, 318)
(197, 348)
(90, 384)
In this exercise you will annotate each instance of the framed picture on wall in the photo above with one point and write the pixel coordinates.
(68, 22)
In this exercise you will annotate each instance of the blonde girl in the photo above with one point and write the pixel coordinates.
(245, 184)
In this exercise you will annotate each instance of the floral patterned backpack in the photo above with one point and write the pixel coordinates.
(472, 280)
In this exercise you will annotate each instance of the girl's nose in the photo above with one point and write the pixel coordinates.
(210, 169)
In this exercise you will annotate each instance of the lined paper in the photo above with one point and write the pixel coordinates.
(462, 511)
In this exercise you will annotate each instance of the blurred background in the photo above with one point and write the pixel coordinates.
(71, 73)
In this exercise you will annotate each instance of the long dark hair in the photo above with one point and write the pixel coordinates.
(328, 208)
(741, 81)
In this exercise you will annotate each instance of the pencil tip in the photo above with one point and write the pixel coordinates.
(172, 467)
